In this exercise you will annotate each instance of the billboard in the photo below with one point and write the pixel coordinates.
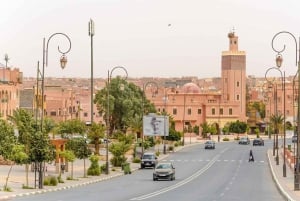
(155, 125)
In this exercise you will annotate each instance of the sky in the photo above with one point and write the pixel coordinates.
(149, 38)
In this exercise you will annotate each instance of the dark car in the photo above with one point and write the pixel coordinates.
(209, 144)
(164, 170)
(258, 142)
(244, 140)
(148, 160)
(294, 139)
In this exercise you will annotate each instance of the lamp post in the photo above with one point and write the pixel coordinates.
(165, 106)
(297, 169)
(143, 105)
(183, 119)
(109, 75)
(91, 34)
(275, 106)
(63, 62)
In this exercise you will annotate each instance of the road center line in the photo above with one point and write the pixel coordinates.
(181, 183)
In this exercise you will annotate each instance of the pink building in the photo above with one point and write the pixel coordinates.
(10, 81)
(189, 105)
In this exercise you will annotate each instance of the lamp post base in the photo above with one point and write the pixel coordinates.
(284, 169)
(107, 168)
(165, 149)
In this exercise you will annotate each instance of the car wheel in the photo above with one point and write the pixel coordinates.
(154, 179)
(142, 167)
(171, 177)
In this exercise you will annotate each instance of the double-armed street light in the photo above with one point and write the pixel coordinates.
(279, 60)
(109, 76)
(63, 62)
(276, 116)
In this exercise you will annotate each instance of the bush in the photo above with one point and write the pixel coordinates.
(50, 181)
(157, 153)
(94, 169)
(171, 148)
(136, 160)
(60, 180)
(237, 138)
(176, 144)
(225, 139)
(126, 168)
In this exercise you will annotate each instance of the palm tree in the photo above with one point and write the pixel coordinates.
(277, 121)
(95, 132)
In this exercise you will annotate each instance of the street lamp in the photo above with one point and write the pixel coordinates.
(109, 75)
(183, 117)
(143, 102)
(279, 60)
(63, 62)
(275, 105)
(91, 34)
(165, 106)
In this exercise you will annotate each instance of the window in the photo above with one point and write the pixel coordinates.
(189, 111)
(85, 114)
(237, 84)
(164, 110)
(221, 111)
(230, 111)
(213, 111)
(237, 97)
(199, 111)
(52, 113)
(174, 111)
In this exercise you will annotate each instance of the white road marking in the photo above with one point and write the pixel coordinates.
(181, 183)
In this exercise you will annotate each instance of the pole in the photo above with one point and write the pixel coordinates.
(284, 127)
(183, 120)
(91, 34)
(165, 149)
(107, 125)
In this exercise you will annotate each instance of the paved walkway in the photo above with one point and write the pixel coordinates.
(17, 177)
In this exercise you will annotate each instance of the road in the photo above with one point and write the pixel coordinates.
(223, 174)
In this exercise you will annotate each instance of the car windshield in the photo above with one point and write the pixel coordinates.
(163, 166)
(148, 156)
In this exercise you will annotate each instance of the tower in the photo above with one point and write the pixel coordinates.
(234, 75)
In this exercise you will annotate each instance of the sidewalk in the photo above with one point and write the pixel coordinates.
(284, 184)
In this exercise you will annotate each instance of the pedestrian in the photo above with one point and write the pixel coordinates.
(251, 157)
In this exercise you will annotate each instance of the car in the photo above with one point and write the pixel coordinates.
(148, 160)
(164, 170)
(258, 141)
(244, 140)
(294, 139)
(209, 144)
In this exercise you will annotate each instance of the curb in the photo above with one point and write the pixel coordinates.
(281, 190)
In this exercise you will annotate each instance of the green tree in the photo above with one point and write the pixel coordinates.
(80, 148)
(205, 129)
(70, 157)
(26, 126)
(118, 151)
(70, 127)
(18, 156)
(238, 127)
(276, 121)
(95, 132)
(125, 102)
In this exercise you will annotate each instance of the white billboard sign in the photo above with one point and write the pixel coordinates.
(156, 125)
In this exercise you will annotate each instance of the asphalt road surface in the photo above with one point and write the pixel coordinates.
(222, 174)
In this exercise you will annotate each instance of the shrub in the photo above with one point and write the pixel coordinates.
(237, 138)
(136, 160)
(50, 181)
(60, 180)
(171, 148)
(157, 153)
(176, 144)
(94, 169)
(225, 139)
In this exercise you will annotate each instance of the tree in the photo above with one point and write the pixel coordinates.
(277, 121)
(124, 103)
(205, 129)
(70, 127)
(70, 157)
(95, 132)
(80, 149)
(27, 126)
(237, 127)
(18, 156)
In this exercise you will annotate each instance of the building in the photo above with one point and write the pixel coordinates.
(10, 84)
(190, 105)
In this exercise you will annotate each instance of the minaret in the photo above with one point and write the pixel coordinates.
(234, 75)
